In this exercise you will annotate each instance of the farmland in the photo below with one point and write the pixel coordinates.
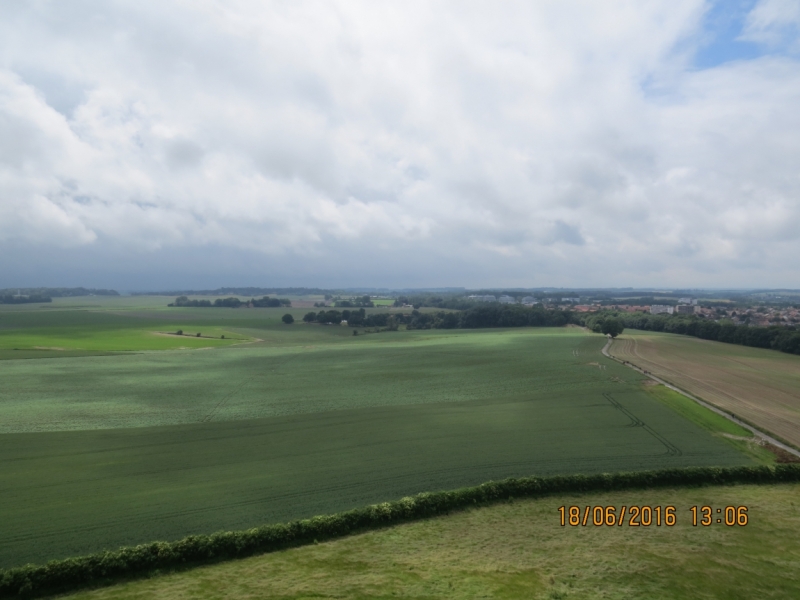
(102, 451)
(761, 386)
(519, 550)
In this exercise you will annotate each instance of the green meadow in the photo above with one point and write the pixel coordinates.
(293, 421)
(519, 550)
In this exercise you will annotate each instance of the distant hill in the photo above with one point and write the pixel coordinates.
(251, 292)
(45, 292)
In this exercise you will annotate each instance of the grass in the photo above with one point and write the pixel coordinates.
(108, 327)
(169, 444)
(117, 324)
(760, 386)
(717, 425)
(519, 550)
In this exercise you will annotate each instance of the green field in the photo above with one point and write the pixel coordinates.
(519, 550)
(102, 451)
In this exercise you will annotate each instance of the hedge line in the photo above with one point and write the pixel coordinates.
(106, 567)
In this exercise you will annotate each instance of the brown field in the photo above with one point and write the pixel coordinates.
(760, 386)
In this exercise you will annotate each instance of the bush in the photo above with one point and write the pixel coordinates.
(179, 332)
(287, 318)
(105, 567)
(198, 335)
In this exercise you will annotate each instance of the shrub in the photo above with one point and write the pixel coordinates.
(287, 318)
(179, 332)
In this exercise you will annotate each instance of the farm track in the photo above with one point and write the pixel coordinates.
(631, 349)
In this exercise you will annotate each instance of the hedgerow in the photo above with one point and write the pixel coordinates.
(125, 563)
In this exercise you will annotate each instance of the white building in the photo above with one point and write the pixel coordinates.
(507, 300)
(660, 309)
(529, 300)
(482, 298)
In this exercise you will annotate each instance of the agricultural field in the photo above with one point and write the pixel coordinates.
(761, 386)
(102, 451)
(519, 550)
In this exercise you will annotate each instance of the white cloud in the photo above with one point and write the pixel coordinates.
(774, 22)
(525, 143)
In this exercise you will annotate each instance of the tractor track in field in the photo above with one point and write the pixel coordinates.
(672, 449)
(210, 414)
(757, 432)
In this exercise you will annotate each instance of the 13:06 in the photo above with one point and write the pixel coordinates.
(733, 515)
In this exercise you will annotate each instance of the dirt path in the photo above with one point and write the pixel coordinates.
(757, 432)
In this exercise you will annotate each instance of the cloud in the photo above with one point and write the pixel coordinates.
(400, 144)
(775, 23)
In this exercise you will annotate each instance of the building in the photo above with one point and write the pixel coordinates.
(684, 309)
(661, 309)
(507, 300)
(630, 308)
(482, 298)
(586, 308)
(529, 300)
(574, 300)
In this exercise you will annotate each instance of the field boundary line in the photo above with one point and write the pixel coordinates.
(128, 563)
(741, 423)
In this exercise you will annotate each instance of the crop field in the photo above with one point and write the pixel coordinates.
(102, 451)
(761, 386)
(519, 550)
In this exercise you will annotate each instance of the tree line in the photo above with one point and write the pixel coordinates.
(448, 302)
(15, 299)
(355, 318)
(265, 302)
(776, 337)
(477, 317)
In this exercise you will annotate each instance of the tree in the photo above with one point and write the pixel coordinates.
(287, 318)
(310, 317)
(612, 327)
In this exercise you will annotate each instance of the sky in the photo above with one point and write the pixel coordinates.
(197, 143)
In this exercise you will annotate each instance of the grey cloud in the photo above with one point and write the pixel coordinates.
(569, 234)
(447, 142)
(183, 153)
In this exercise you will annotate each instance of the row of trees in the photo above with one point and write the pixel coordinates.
(451, 302)
(361, 301)
(265, 302)
(493, 315)
(779, 338)
(45, 292)
(474, 318)
(356, 318)
(14, 299)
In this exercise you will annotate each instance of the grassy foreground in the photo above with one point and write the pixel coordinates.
(519, 550)
(761, 386)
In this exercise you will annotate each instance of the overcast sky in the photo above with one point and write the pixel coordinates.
(152, 145)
